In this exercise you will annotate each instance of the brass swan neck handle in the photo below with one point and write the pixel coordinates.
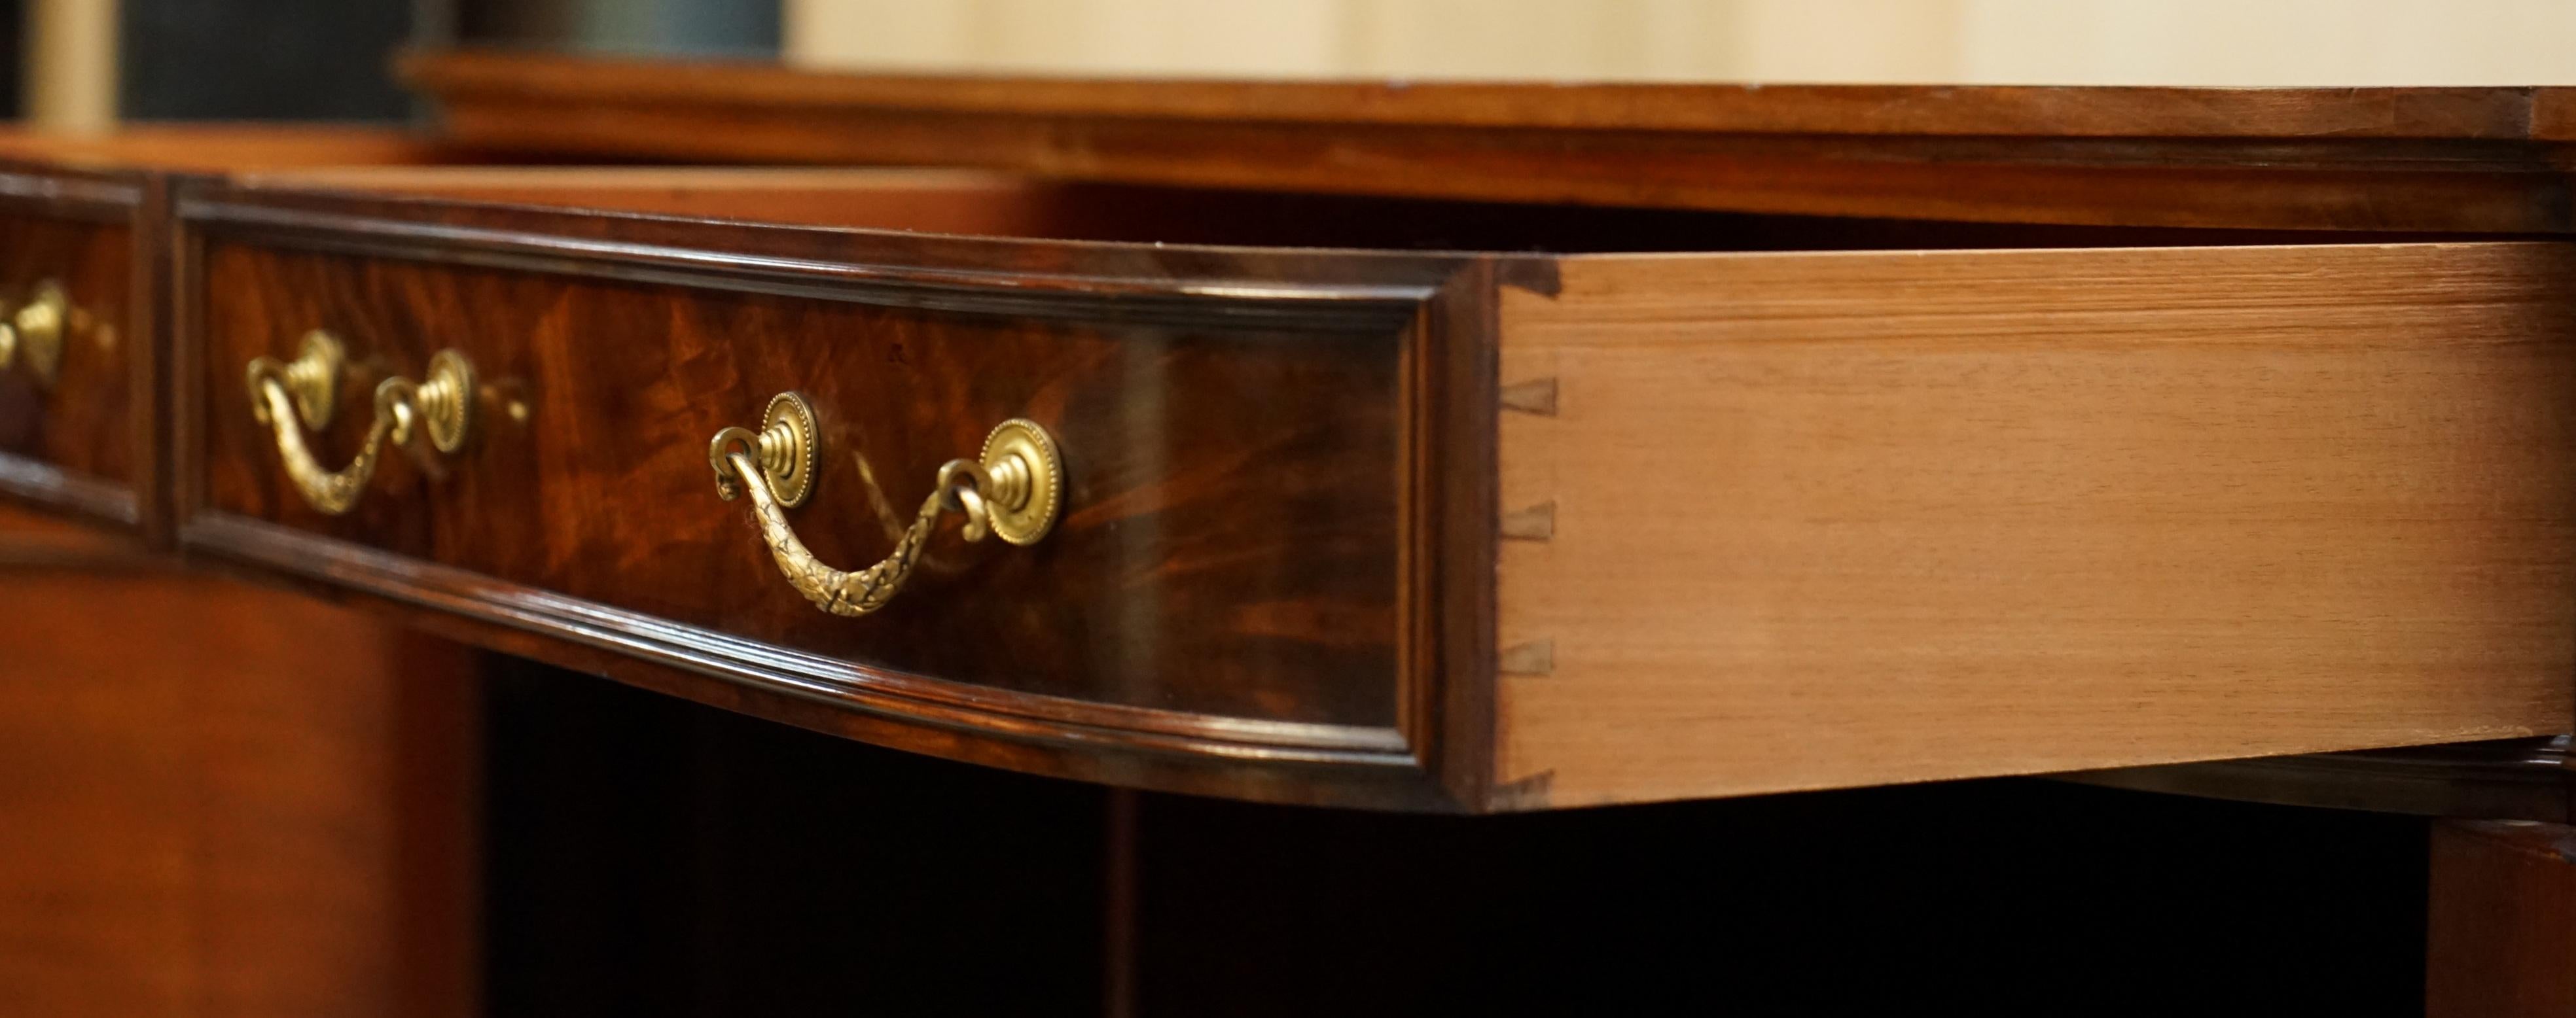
(306, 389)
(1014, 490)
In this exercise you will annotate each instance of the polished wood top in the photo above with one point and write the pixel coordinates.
(2417, 160)
(2485, 113)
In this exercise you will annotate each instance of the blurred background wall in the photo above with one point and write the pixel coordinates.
(84, 64)
(2200, 42)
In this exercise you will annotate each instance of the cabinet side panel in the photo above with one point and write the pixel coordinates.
(224, 800)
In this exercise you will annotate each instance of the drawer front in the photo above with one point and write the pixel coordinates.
(1225, 579)
(73, 427)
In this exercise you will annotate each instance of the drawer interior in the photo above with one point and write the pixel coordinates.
(981, 203)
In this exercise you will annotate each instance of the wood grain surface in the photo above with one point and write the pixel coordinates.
(1170, 584)
(2501, 936)
(225, 800)
(1823, 520)
(2449, 160)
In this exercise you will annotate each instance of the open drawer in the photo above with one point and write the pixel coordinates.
(1661, 511)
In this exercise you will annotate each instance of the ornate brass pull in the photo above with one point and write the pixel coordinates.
(307, 389)
(36, 329)
(1014, 490)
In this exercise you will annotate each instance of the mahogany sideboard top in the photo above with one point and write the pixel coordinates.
(1451, 447)
(2485, 160)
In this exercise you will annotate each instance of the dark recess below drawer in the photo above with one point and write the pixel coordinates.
(655, 857)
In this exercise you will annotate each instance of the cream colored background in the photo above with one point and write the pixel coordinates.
(2200, 42)
(70, 72)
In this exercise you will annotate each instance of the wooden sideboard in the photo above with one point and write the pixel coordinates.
(1452, 449)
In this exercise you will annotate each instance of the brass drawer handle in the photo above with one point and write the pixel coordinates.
(1014, 490)
(36, 329)
(307, 388)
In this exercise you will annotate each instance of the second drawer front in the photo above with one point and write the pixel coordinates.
(69, 347)
(1231, 511)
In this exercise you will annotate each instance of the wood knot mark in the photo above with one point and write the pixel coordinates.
(1538, 397)
(1537, 657)
(1531, 523)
